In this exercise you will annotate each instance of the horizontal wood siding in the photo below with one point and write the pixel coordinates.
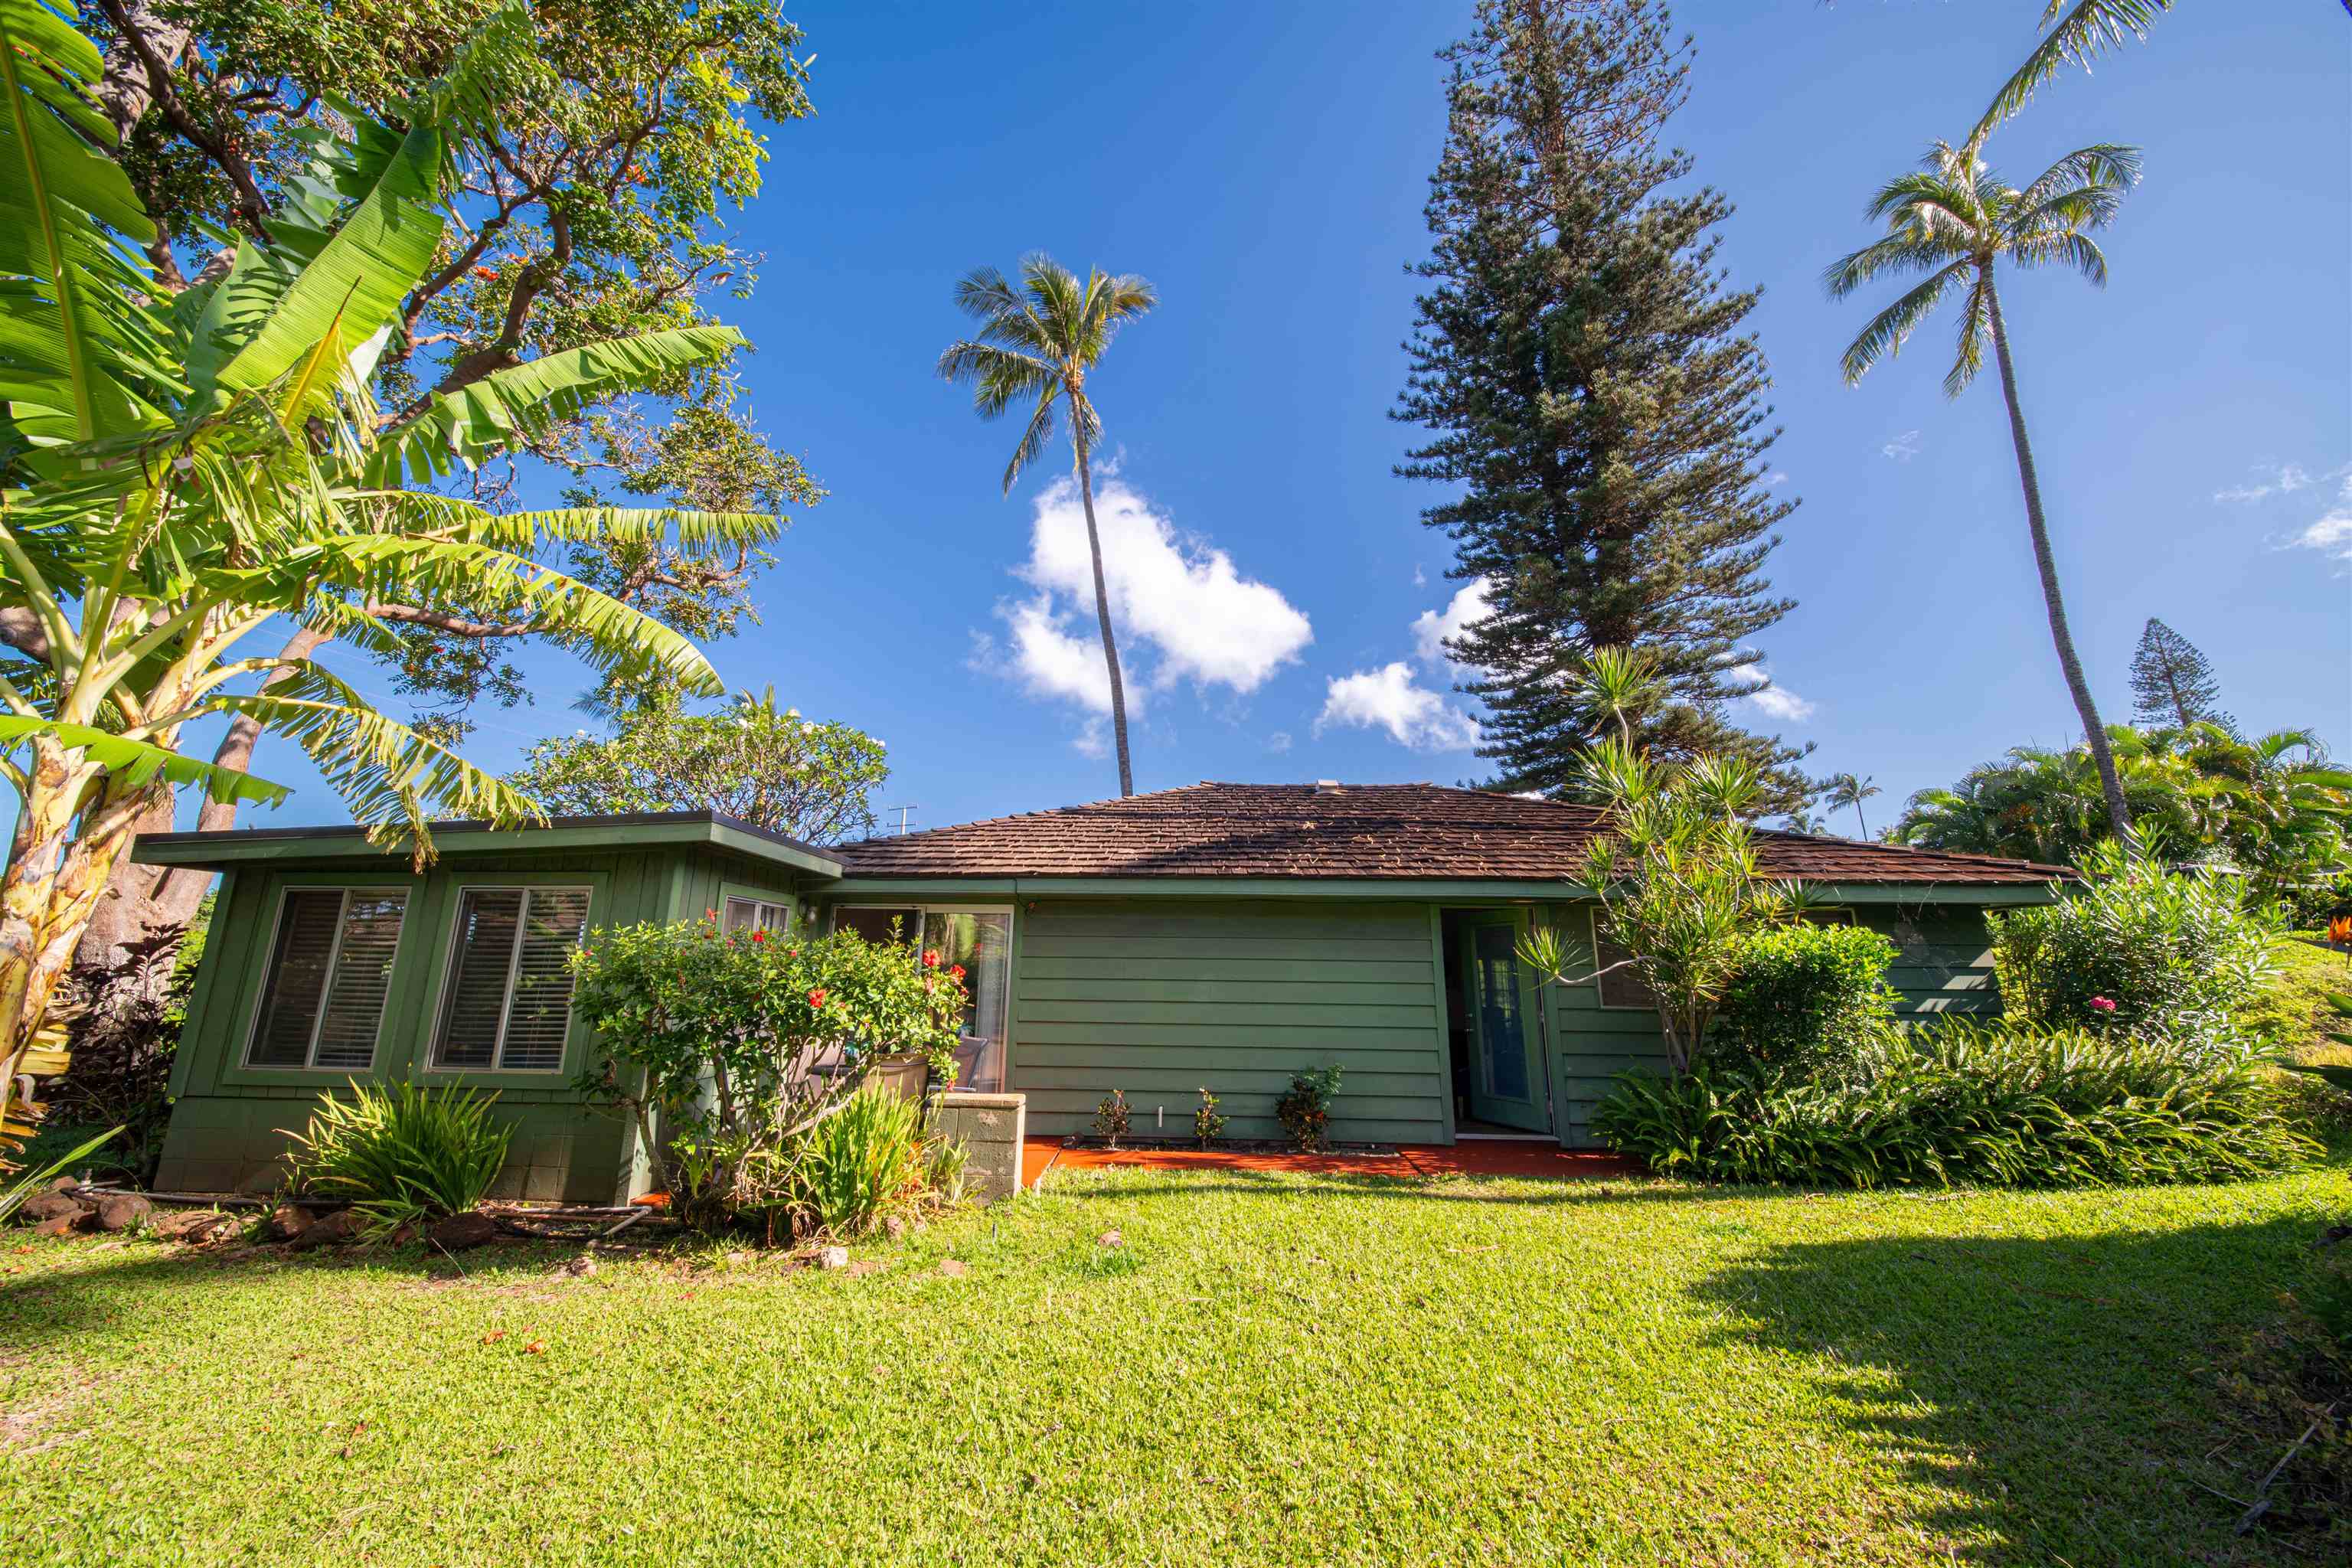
(1943, 965)
(1161, 999)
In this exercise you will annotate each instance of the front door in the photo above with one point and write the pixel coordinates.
(1506, 1077)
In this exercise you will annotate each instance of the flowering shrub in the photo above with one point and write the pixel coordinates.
(2158, 955)
(724, 1047)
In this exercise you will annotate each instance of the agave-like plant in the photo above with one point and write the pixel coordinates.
(177, 471)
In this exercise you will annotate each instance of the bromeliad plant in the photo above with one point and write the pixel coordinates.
(179, 471)
(724, 1047)
(1677, 885)
(400, 1154)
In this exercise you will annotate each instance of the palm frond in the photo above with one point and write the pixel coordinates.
(2077, 36)
(1883, 337)
(1896, 253)
(136, 762)
(1034, 436)
(2077, 250)
(1976, 330)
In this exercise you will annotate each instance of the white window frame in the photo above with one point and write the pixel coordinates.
(435, 1041)
(767, 914)
(309, 1062)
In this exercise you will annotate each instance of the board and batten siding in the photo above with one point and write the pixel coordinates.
(1943, 965)
(1162, 998)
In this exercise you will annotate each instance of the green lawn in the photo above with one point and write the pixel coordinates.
(1268, 1370)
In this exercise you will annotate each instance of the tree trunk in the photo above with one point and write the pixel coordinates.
(58, 863)
(2093, 732)
(1102, 612)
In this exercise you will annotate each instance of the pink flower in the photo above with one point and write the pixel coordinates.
(2103, 1004)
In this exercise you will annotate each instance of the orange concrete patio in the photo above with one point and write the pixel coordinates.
(1411, 1161)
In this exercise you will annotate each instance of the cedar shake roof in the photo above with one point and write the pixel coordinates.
(1355, 831)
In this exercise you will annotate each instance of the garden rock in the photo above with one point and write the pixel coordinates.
(45, 1206)
(210, 1228)
(459, 1231)
(580, 1267)
(344, 1225)
(66, 1185)
(120, 1212)
(1108, 1239)
(893, 1226)
(832, 1257)
(287, 1221)
(61, 1226)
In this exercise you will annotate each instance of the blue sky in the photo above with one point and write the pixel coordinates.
(1265, 166)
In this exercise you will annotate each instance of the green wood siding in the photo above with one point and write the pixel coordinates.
(1161, 999)
(231, 1122)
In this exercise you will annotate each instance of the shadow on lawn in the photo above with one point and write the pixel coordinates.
(1525, 1192)
(2054, 1391)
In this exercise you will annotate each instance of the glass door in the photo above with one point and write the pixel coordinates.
(1507, 1079)
(980, 942)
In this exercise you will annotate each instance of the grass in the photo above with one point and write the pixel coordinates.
(1268, 1369)
(2293, 1008)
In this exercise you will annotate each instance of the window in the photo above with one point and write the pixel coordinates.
(755, 914)
(507, 1001)
(981, 941)
(1619, 987)
(329, 973)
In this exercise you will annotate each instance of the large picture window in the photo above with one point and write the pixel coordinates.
(981, 941)
(506, 1004)
(329, 973)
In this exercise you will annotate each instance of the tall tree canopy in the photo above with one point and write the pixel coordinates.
(2172, 683)
(586, 205)
(750, 760)
(1578, 361)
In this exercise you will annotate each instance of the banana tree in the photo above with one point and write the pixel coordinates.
(177, 472)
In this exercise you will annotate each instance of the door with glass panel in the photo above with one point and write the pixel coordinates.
(1507, 1076)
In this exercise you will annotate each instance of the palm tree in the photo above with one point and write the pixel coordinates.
(2075, 32)
(1843, 792)
(1955, 220)
(1038, 341)
(178, 473)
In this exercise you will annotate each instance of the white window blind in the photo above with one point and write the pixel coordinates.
(330, 976)
(755, 914)
(508, 1002)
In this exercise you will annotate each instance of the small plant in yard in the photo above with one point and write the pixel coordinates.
(862, 1161)
(400, 1154)
(712, 1043)
(1112, 1116)
(1207, 1125)
(1305, 1111)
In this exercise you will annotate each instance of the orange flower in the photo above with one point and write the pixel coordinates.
(2339, 931)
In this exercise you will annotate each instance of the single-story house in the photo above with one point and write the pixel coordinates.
(1220, 936)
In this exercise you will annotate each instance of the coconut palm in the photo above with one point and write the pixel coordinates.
(1038, 341)
(2073, 32)
(1956, 221)
(178, 472)
(1844, 792)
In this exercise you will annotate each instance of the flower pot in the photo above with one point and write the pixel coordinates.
(905, 1074)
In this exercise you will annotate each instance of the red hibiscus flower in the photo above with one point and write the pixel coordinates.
(931, 958)
(2103, 1004)
(957, 970)
(759, 936)
(816, 998)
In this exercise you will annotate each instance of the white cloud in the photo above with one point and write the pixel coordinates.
(1775, 702)
(1093, 739)
(1419, 577)
(2272, 479)
(1777, 477)
(1279, 741)
(2332, 534)
(1389, 699)
(1431, 628)
(1182, 610)
(1903, 447)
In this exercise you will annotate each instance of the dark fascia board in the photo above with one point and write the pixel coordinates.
(628, 830)
(852, 887)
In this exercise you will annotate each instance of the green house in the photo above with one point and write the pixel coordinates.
(1219, 936)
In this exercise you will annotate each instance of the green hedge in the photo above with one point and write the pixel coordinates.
(1803, 997)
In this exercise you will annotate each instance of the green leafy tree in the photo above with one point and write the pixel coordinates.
(749, 760)
(2275, 807)
(1036, 346)
(1958, 222)
(182, 472)
(2172, 683)
(590, 192)
(1591, 403)
(1844, 792)
(1677, 884)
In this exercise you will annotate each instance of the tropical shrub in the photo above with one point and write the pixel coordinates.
(1112, 1116)
(400, 1154)
(724, 1047)
(1968, 1103)
(861, 1161)
(1803, 997)
(2163, 956)
(1207, 1125)
(1304, 1110)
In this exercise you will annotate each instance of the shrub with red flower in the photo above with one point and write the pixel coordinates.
(709, 1044)
(2104, 1004)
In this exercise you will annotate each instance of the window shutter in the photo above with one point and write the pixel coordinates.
(362, 981)
(540, 1013)
(487, 920)
(298, 959)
